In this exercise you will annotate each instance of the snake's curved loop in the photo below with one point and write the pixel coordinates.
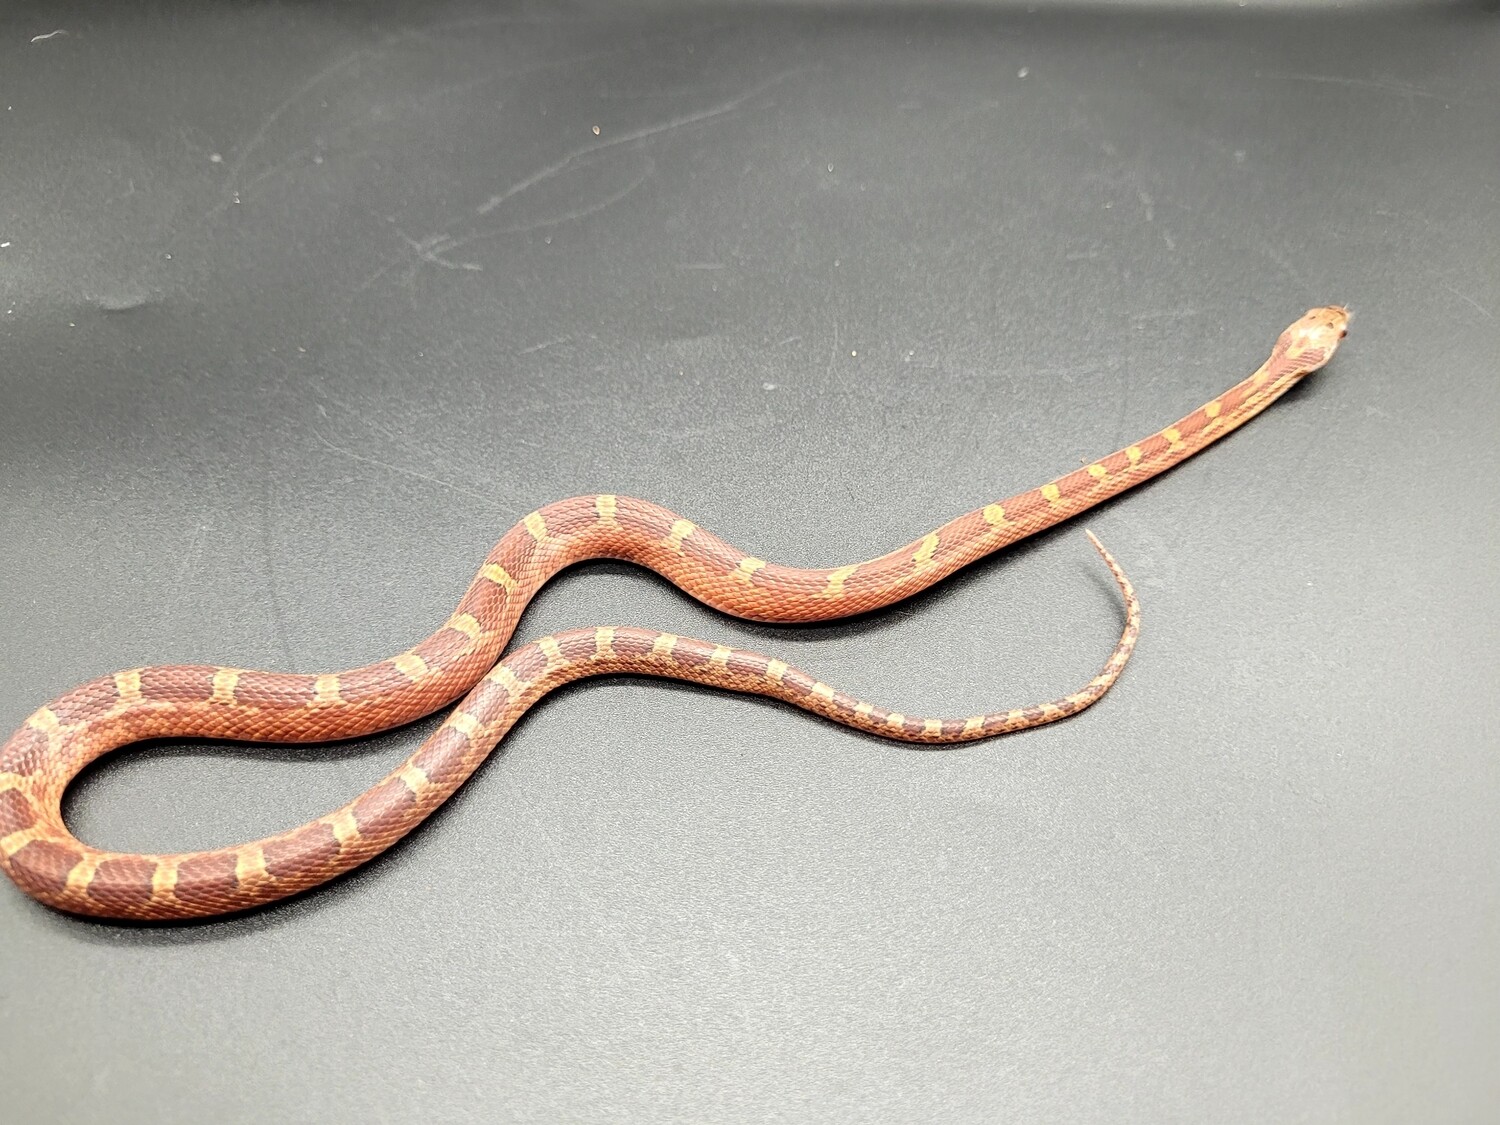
(37, 763)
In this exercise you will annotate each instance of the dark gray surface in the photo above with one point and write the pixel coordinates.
(303, 305)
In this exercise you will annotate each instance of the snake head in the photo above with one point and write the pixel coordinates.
(1310, 343)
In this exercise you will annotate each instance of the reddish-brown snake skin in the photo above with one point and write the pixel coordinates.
(39, 761)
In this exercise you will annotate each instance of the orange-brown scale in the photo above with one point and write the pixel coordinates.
(37, 763)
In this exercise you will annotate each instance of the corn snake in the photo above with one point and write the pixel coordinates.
(59, 740)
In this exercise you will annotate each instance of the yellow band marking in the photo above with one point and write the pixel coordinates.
(466, 624)
(250, 865)
(164, 878)
(537, 526)
(17, 840)
(463, 722)
(1133, 454)
(1051, 493)
(822, 691)
(605, 508)
(863, 710)
(1174, 436)
(225, 681)
(604, 640)
(1212, 409)
(45, 720)
(720, 656)
(973, 723)
(932, 726)
(1098, 471)
(508, 680)
(747, 568)
(775, 669)
(499, 576)
(410, 665)
(128, 685)
(680, 531)
(555, 658)
(344, 827)
(923, 556)
(326, 689)
(417, 781)
(663, 644)
(82, 872)
(895, 719)
(837, 578)
(994, 515)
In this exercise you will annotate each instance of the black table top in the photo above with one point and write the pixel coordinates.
(303, 305)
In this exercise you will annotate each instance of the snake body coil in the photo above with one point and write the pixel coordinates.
(39, 761)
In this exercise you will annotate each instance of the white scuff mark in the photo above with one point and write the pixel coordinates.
(1023, 72)
(49, 35)
(641, 134)
(216, 158)
(1461, 296)
(768, 386)
(3, 245)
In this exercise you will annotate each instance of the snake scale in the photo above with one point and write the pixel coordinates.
(39, 761)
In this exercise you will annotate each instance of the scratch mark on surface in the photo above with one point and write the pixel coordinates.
(353, 412)
(273, 591)
(430, 248)
(257, 138)
(49, 35)
(635, 135)
(411, 105)
(544, 345)
(1471, 302)
(446, 244)
(403, 470)
(433, 248)
(1381, 85)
